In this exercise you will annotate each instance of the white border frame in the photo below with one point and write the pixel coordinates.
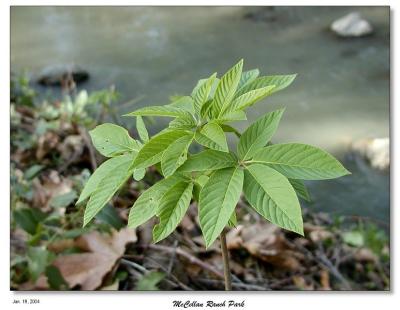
(163, 300)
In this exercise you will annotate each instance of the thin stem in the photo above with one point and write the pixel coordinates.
(225, 258)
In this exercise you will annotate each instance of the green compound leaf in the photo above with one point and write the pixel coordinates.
(208, 160)
(101, 173)
(248, 77)
(203, 92)
(258, 134)
(175, 155)
(279, 81)
(226, 89)
(146, 205)
(249, 98)
(152, 151)
(141, 129)
(163, 110)
(107, 187)
(215, 133)
(271, 195)
(112, 140)
(300, 189)
(301, 161)
(173, 206)
(218, 199)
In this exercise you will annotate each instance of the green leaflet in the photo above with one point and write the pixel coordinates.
(100, 173)
(249, 98)
(248, 77)
(208, 160)
(139, 174)
(218, 199)
(300, 189)
(112, 140)
(107, 187)
(145, 206)
(226, 89)
(163, 110)
(258, 134)
(203, 92)
(175, 155)
(183, 123)
(232, 116)
(215, 133)
(232, 220)
(185, 103)
(205, 141)
(301, 161)
(228, 128)
(141, 129)
(271, 195)
(171, 210)
(280, 82)
(152, 151)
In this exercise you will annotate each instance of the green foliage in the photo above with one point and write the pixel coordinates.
(218, 199)
(300, 161)
(149, 281)
(270, 176)
(112, 140)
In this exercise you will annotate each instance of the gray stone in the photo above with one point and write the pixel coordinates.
(351, 25)
(56, 75)
(376, 151)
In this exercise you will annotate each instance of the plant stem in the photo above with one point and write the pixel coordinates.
(225, 258)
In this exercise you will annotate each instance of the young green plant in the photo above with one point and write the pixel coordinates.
(269, 175)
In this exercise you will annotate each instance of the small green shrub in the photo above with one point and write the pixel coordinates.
(270, 176)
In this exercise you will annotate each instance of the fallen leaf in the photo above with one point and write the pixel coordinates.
(88, 269)
(267, 242)
(365, 255)
(324, 279)
(302, 284)
(46, 143)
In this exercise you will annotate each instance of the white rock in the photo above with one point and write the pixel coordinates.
(351, 25)
(377, 151)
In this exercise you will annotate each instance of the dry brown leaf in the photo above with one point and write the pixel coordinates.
(51, 186)
(302, 284)
(88, 269)
(267, 242)
(324, 279)
(365, 255)
(46, 143)
(71, 148)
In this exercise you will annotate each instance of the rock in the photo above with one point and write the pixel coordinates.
(351, 25)
(58, 75)
(376, 151)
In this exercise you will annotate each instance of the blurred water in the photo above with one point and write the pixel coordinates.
(341, 93)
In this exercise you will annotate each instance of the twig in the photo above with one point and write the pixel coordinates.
(178, 282)
(250, 287)
(82, 131)
(186, 255)
(225, 259)
(172, 259)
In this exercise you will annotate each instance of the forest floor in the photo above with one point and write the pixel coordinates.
(51, 159)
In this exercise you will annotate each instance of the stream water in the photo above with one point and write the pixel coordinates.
(341, 93)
